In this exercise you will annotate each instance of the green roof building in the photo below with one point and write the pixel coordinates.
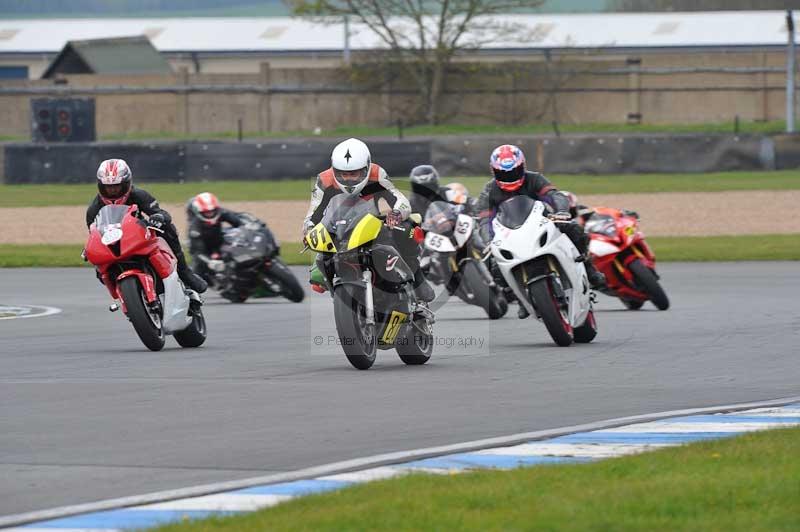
(125, 55)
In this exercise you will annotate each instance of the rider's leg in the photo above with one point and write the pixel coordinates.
(409, 249)
(578, 236)
(189, 278)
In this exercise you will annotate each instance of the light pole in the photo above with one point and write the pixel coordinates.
(346, 50)
(790, 73)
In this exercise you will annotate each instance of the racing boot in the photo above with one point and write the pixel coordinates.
(192, 280)
(596, 279)
(522, 312)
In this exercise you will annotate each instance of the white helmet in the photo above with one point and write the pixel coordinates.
(351, 161)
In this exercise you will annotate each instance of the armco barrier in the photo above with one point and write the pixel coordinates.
(453, 156)
(194, 161)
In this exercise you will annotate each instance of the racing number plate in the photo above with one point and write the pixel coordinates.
(396, 319)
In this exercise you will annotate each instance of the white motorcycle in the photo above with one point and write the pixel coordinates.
(542, 267)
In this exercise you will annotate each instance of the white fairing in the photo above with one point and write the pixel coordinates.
(440, 243)
(176, 305)
(524, 245)
(464, 226)
(598, 248)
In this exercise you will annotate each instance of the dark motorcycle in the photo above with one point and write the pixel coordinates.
(374, 305)
(250, 265)
(450, 257)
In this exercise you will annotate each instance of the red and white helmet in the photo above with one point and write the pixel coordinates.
(205, 206)
(114, 179)
(508, 166)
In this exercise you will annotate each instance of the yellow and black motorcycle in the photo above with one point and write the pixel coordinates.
(373, 298)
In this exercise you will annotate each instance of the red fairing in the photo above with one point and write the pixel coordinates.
(145, 279)
(632, 246)
(137, 241)
(162, 259)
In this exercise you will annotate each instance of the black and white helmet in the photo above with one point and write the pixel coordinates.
(425, 176)
(351, 163)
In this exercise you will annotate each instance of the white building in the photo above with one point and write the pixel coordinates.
(239, 45)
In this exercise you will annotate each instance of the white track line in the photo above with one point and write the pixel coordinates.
(48, 311)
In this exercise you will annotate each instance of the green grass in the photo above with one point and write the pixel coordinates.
(747, 483)
(45, 195)
(726, 248)
(40, 255)
(456, 129)
(667, 249)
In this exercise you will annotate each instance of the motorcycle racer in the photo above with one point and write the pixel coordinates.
(352, 172)
(206, 216)
(425, 189)
(510, 178)
(115, 187)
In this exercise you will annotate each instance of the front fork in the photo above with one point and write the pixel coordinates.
(369, 302)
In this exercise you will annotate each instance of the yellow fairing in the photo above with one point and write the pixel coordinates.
(366, 230)
(320, 240)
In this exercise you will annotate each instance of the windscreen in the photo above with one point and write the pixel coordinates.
(513, 212)
(344, 211)
(110, 216)
(603, 224)
(440, 218)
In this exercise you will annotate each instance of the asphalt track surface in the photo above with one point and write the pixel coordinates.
(86, 413)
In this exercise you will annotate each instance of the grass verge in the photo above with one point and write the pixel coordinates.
(458, 129)
(726, 248)
(667, 249)
(744, 483)
(53, 195)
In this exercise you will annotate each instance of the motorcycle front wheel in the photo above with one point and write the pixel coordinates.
(146, 322)
(356, 337)
(647, 280)
(290, 286)
(550, 310)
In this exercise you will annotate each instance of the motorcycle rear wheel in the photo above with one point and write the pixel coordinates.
(147, 326)
(290, 286)
(586, 332)
(195, 334)
(415, 347)
(632, 304)
(491, 301)
(357, 338)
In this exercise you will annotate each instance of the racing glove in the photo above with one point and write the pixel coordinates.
(157, 221)
(394, 218)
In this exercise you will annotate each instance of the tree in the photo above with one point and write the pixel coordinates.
(422, 37)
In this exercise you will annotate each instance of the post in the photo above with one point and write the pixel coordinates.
(264, 102)
(239, 134)
(182, 99)
(346, 49)
(790, 73)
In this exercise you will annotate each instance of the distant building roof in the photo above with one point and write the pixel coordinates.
(123, 55)
(285, 34)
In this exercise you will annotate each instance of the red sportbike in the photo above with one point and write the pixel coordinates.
(139, 270)
(620, 252)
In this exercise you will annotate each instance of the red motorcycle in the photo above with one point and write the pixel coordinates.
(139, 270)
(619, 251)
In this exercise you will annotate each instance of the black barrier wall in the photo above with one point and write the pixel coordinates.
(195, 161)
(453, 156)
